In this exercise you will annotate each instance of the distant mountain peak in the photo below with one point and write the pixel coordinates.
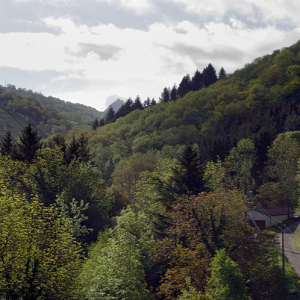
(116, 105)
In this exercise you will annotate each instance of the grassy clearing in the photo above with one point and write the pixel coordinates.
(297, 240)
(291, 281)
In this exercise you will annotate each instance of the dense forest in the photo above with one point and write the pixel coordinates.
(73, 111)
(47, 114)
(152, 204)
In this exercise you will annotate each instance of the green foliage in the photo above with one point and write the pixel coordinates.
(6, 144)
(214, 175)
(280, 188)
(240, 162)
(154, 190)
(77, 188)
(188, 176)
(114, 269)
(28, 144)
(16, 111)
(191, 293)
(39, 258)
(226, 281)
(202, 225)
(144, 154)
(70, 110)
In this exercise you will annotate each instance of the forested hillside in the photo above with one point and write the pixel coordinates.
(152, 203)
(16, 111)
(73, 111)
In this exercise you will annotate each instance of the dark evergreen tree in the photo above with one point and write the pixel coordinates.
(173, 93)
(188, 177)
(153, 102)
(128, 106)
(184, 86)
(6, 144)
(121, 112)
(101, 122)
(222, 73)
(110, 115)
(59, 141)
(165, 95)
(28, 144)
(95, 124)
(147, 102)
(209, 75)
(83, 150)
(72, 150)
(137, 103)
(197, 81)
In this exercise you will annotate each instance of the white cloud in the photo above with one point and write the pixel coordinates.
(51, 2)
(104, 60)
(137, 6)
(277, 10)
(255, 10)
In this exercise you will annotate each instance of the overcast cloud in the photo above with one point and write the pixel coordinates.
(95, 51)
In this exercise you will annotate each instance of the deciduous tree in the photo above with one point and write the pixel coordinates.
(226, 280)
(39, 258)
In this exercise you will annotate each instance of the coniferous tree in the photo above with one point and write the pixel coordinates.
(6, 144)
(153, 102)
(209, 75)
(95, 124)
(188, 177)
(60, 141)
(222, 73)
(110, 115)
(28, 144)
(137, 103)
(197, 81)
(101, 122)
(72, 150)
(165, 95)
(184, 86)
(121, 112)
(83, 150)
(173, 93)
(128, 106)
(147, 102)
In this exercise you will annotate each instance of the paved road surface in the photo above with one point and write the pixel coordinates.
(290, 250)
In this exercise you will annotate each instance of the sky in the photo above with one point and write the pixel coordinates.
(96, 51)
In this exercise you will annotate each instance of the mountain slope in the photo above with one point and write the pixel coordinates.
(258, 102)
(16, 111)
(73, 111)
(115, 105)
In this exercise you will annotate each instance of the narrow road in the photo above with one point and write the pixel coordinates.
(290, 250)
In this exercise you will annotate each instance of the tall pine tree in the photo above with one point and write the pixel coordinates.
(137, 103)
(165, 95)
(209, 75)
(185, 86)
(110, 115)
(6, 144)
(222, 73)
(173, 93)
(197, 81)
(28, 144)
(188, 177)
